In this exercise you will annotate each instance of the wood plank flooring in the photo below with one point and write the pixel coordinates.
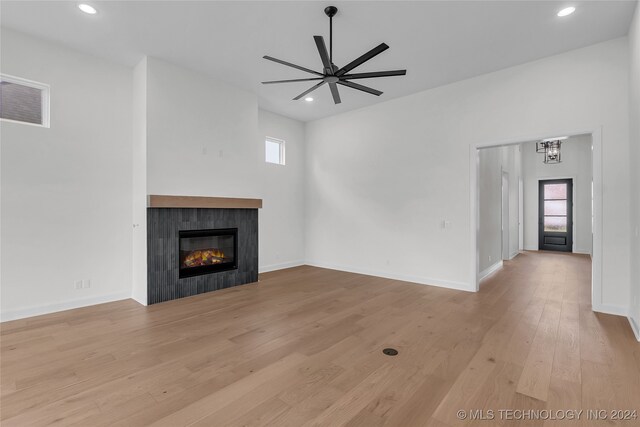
(304, 348)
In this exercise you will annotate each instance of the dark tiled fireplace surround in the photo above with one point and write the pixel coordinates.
(164, 225)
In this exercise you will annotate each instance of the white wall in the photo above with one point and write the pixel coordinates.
(576, 164)
(139, 183)
(66, 190)
(493, 162)
(512, 165)
(202, 135)
(489, 208)
(634, 158)
(206, 138)
(381, 179)
(282, 242)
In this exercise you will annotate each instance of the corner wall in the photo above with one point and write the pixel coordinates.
(493, 246)
(634, 159)
(489, 210)
(66, 190)
(74, 195)
(206, 138)
(282, 242)
(380, 180)
(139, 183)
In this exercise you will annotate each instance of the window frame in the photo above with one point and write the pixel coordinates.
(281, 144)
(45, 99)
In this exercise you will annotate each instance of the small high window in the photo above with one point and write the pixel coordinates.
(274, 150)
(24, 101)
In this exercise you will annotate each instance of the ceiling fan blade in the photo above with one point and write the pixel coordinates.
(291, 81)
(360, 87)
(364, 58)
(309, 90)
(324, 56)
(373, 74)
(289, 64)
(335, 93)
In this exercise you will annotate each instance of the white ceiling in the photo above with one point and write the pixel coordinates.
(438, 42)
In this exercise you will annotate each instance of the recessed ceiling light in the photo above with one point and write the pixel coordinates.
(567, 11)
(308, 99)
(87, 9)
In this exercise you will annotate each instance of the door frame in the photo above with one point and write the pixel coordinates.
(505, 213)
(569, 216)
(596, 159)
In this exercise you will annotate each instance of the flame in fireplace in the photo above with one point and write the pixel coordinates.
(203, 257)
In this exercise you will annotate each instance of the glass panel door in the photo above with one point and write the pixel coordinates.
(555, 212)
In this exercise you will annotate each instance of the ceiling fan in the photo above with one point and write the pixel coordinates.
(332, 75)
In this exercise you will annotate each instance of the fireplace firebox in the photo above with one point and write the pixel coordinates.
(207, 251)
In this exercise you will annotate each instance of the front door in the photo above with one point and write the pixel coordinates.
(555, 209)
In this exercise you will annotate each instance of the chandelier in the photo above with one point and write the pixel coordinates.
(551, 149)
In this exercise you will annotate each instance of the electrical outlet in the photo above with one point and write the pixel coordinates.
(86, 284)
(78, 284)
(489, 258)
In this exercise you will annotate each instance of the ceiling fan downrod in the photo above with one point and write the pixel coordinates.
(330, 11)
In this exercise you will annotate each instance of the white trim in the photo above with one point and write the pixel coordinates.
(581, 252)
(635, 327)
(596, 265)
(45, 99)
(490, 270)
(596, 245)
(460, 286)
(21, 313)
(610, 309)
(513, 255)
(281, 144)
(139, 301)
(281, 266)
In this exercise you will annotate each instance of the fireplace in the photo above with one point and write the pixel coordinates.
(228, 235)
(207, 251)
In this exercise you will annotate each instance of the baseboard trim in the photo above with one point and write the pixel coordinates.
(281, 266)
(634, 327)
(22, 313)
(610, 309)
(581, 252)
(513, 255)
(490, 270)
(140, 300)
(459, 286)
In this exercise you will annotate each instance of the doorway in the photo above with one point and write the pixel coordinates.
(592, 206)
(555, 215)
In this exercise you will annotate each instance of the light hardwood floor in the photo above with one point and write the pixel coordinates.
(304, 348)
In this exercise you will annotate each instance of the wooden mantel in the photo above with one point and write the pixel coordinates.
(161, 201)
